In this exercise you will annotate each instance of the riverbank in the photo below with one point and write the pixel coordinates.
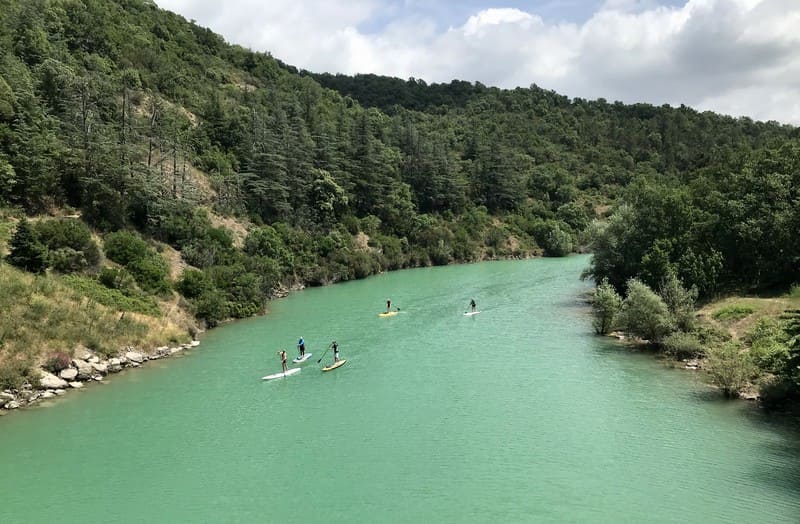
(752, 327)
(81, 371)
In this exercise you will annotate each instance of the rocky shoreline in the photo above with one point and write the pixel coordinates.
(84, 368)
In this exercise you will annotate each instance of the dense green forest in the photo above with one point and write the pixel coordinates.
(153, 133)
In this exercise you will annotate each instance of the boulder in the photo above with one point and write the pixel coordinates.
(175, 350)
(194, 343)
(76, 385)
(84, 368)
(100, 367)
(12, 405)
(68, 374)
(82, 353)
(93, 360)
(7, 395)
(3, 401)
(50, 381)
(48, 394)
(134, 356)
(60, 392)
(114, 365)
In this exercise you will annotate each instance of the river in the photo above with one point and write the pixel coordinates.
(517, 414)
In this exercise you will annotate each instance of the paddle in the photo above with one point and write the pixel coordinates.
(326, 351)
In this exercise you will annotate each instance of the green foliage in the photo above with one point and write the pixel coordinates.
(679, 300)
(15, 373)
(69, 244)
(733, 313)
(644, 314)
(115, 298)
(683, 345)
(26, 249)
(145, 265)
(768, 343)
(730, 367)
(606, 305)
(124, 247)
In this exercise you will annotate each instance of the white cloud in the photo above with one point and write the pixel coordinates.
(740, 57)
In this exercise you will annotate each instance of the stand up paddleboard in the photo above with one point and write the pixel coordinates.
(334, 366)
(299, 359)
(282, 375)
(470, 313)
(389, 314)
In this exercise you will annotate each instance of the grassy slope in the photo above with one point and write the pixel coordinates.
(760, 306)
(46, 313)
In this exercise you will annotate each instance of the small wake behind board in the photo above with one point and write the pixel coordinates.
(282, 375)
(298, 359)
(334, 365)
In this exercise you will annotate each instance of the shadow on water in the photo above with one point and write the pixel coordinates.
(782, 468)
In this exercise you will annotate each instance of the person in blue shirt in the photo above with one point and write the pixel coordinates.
(301, 345)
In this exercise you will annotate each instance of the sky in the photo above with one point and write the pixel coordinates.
(737, 57)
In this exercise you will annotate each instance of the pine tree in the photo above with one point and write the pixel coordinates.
(27, 251)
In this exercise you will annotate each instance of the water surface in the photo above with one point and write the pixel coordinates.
(517, 414)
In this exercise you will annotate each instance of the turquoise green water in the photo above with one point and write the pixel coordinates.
(515, 415)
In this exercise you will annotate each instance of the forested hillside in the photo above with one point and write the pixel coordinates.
(183, 164)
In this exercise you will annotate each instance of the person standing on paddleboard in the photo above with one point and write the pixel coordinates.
(335, 347)
(388, 305)
(282, 353)
(301, 345)
(472, 305)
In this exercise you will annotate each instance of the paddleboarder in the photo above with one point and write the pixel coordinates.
(472, 305)
(282, 353)
(335, 347)
(301, 345)
(388, 305)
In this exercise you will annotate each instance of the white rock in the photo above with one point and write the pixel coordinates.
(93, 360)
(194, 343)
(12, 405)
(84, 369)
(48, 394)
(100, 367)
(60, 392)
(175, 350)
(68, 374)
(114, 365)
(76, 385)
(50, 381)
(7, 395)
(134, 356)
(82, 353)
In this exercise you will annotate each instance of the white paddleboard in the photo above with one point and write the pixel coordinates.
(298, 360)
(470, 313)
(282, 375)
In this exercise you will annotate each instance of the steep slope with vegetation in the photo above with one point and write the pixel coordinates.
(157, 138)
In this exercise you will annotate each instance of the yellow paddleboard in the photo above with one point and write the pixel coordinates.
(334, 366)
(389, 314)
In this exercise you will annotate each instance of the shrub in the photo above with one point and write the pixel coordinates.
(733, 313)
(15, 373)
(730, 367)
(194, 283)
(768, 344)
(67, 260)
(644, 314)
(71, 235)
(683, 345)
(123, 247)
(606, 304)
(56, 361)
(117, 278)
